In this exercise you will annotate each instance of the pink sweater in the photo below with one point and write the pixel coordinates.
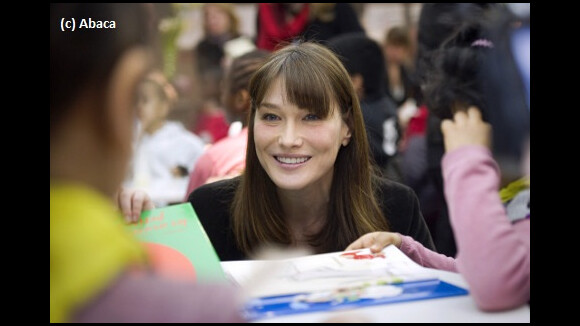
(493, 254)
(227, 157)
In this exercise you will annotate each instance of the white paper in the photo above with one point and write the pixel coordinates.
(328, 272)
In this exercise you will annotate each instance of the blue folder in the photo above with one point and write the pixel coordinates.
(267, 307)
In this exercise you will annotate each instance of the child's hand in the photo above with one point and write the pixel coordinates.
(377, 241)
(132, 202)
(466, 128)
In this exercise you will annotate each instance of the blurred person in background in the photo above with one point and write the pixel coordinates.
(397, 51)
(164, 151)
(403, 86)
(98, 271)
(363, 59)
(220, 25)
(412, 114)
(328, 20)
(484, 65)
(280, 23)
(227, 157)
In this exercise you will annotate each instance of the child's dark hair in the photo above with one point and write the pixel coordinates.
(362, 55)
(243, 67)
(454, 82)
(437, 23)
(84, 58)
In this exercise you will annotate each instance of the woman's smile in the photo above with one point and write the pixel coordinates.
(291, 161)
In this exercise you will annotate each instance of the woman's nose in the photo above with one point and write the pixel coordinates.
(290, 136)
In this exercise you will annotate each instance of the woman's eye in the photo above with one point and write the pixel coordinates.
(311, 116)
(269, 117)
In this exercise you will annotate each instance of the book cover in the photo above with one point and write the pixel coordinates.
(362, 295)
(340, 280)
(177, 243)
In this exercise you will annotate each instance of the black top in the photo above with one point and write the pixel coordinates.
(212, 203)
(345, 21)
(383, 130)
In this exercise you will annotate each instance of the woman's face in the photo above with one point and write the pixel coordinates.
(296, 148)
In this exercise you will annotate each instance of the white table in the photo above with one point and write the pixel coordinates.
(458, 309)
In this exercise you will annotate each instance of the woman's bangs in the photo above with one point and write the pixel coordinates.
(307, 87)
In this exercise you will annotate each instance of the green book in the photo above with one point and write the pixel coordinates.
(177, 244)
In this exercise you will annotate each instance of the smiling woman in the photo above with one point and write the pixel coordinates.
(308, 180)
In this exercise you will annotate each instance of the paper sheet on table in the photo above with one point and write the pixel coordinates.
(329, 271)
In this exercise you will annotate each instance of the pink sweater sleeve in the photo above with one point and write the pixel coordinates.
(493, 255)
(426, 257)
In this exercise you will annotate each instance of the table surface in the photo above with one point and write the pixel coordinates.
(447, 310)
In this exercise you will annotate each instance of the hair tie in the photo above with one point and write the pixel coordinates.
(483, 43)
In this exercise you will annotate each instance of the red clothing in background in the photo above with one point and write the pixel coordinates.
(211, 127)
(418, 123)
(273, 28)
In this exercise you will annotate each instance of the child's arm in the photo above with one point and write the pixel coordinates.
(493, 255)
(132, 202)
(376, 241)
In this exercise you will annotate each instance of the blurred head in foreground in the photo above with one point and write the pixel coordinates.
(94, 77)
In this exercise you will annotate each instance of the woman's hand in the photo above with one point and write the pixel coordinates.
(466, 128)
(377, 241)
(132, 202)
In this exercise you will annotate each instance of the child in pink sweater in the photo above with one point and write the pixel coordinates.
(494, 251)
(491, 229)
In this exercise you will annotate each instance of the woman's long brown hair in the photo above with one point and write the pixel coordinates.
(314, 79)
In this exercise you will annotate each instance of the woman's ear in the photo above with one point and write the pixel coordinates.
(347, 135)
(121, 94)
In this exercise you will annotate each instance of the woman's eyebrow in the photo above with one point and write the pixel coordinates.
(272, 106)
(269, 105)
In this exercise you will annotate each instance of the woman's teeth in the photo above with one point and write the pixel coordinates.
(292, 160)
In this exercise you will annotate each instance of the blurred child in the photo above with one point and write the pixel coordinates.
(220, 25)
(98, 271)
(492, 229)
(280, 23)
(363, 59)
(397, 50)
(227, 157)
(164, 150)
